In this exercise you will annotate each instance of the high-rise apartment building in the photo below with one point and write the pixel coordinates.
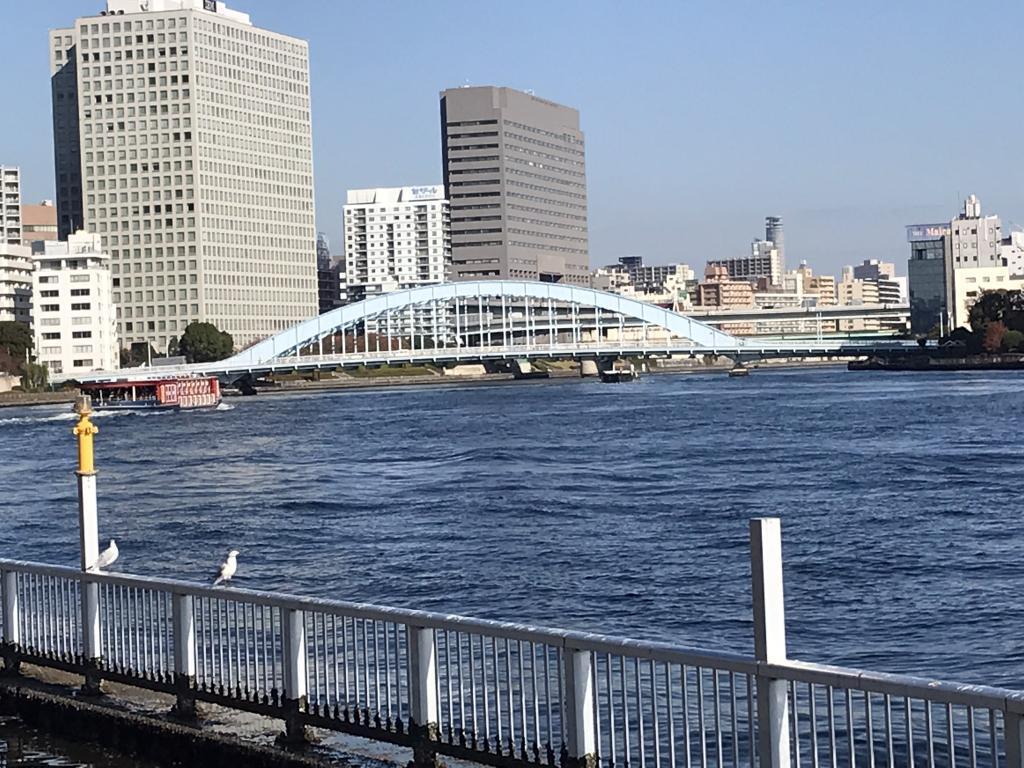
(975, 239)
(15, 283)
(10, 205)
(194, 148)
(763, 263)
(396, 238)
(852, 291)
(75, 320)
(515, 175)
(720, 290)
(891, 289)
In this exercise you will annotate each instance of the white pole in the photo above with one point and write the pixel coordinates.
(88, 543)
(1013, 725)
(769, 641)
(295, 675)
(424, 704)
(12, 626)
(184, 628)
(581, 728)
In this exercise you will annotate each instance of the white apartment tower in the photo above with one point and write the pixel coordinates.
(183, 136)
(396, 238)
(15, 283)
(75, 321)
(10, 205)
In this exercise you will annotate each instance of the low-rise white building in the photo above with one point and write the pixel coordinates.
(74, 317)
(15, 283)
(970, 282)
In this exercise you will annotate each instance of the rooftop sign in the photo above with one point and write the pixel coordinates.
(927, 231)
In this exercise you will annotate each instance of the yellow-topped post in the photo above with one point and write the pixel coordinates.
(88, 528)
(84, 430)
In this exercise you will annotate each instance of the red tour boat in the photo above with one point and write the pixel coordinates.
(185, 393)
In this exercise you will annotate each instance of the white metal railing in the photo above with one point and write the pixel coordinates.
(504, 693)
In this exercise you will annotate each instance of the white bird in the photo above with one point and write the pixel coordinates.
(227, 568)
(106, 558)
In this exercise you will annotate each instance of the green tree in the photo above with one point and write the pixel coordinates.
(1013, 341)
(205, 343)
(140, 353)
(16, 338)
(1002, 306)
(34, 378)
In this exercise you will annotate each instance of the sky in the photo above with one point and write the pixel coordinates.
(849, 120)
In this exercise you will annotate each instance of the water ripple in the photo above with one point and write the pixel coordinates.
(614, 509)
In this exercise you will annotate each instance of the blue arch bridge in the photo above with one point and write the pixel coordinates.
(498, 321)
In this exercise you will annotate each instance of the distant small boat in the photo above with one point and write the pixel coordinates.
(619, 375)
(159, 394)
(739, 370)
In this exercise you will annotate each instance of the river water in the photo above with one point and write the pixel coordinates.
(614, 508)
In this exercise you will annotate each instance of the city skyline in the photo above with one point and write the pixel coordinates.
(852, 159)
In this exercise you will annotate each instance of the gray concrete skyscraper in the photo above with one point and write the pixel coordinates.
(515, 176)
(183, 138)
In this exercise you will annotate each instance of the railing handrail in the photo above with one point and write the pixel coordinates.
(894, 684)
(562, 638)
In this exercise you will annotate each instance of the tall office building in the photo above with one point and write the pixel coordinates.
(396, 238)
(929, 274)
(10, 205)
(515, 175)
(195, 165)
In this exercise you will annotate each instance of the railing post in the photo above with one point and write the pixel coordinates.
(769, 641)
(1013, 733)
(295, 682)
(184, 628)
(580, 727)
(12, 626)
(91, 636)
(423, 703)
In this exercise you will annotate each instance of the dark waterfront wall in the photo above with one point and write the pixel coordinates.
(156, 741)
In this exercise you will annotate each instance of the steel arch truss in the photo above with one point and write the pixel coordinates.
(434, 313)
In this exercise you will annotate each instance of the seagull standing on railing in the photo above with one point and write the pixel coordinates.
(227, 568)
(106, 558)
